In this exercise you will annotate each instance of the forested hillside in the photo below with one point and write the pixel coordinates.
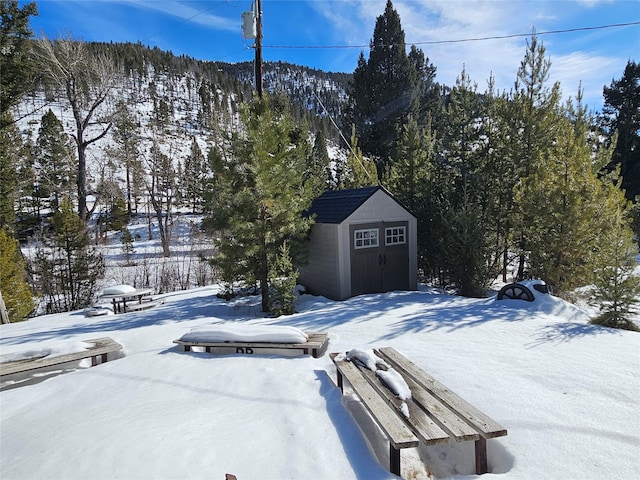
(150, 107)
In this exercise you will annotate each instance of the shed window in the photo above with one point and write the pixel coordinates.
(365, 238)
(395, 235)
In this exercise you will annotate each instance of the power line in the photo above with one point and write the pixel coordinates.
(463, 40)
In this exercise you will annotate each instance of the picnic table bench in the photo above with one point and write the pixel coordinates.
(101, 349)
(436, 414)
(137, 300)
(315, 346)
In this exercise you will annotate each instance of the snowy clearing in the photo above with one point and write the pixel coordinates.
(568, 392)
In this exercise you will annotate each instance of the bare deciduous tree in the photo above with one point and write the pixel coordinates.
(86, 78)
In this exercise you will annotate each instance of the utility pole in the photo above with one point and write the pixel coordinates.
(252, 29)
(258, 47)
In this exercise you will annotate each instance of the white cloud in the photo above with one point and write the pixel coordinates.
(187, 13)
(581, 70)
(586, 57)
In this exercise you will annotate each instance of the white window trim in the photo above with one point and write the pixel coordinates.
(400, 235)
(366, 238)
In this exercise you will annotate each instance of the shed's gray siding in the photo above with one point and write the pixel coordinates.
(321, 275)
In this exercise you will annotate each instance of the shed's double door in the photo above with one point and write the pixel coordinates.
(379, 257)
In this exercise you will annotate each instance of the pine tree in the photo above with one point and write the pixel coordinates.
(531, 119)
(283, 283)
(192, 179)
(318, 174)
(466, 261)
(426, 101)
(54, 155)
(383, 89)
(562, 199)
(127, 245)
(66, 266)
(621, 116)
(117, 217)
(10, 145)
(17, 66)
(500, 174)
(412, 168)
(126, 136)
(358, 171)
(463, 248)
(410, 180)
(29, 203)
(616, 285)
(261, 197)
(15, 291)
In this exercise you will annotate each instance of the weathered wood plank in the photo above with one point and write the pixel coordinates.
(447, 420)
(484, 424)
(129, 295)
(102, 347)
(397, 432)
(132, 307)
(419, 421)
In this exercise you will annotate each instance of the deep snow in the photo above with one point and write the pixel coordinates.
(568, 392)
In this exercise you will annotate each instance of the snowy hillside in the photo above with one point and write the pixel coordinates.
(174, 100)
(566, 391)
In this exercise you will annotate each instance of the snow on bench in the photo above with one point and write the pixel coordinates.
(410, 406)
(64, 353)
(248, 339)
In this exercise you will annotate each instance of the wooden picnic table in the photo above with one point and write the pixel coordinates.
(138, 300)
(436, 414)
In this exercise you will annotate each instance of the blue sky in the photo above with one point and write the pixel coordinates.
(210, 30)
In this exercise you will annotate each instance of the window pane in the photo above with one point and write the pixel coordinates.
(395, 235)
(365, 238)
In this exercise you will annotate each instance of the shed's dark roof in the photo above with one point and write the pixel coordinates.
(334, 206)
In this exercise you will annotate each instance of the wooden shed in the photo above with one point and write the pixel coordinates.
(363, 241)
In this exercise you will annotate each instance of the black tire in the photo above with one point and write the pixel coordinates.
(515, 291)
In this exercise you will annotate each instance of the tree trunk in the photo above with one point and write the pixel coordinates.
(4, 315)
(264, 264)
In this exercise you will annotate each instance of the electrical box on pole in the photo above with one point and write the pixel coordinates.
(249, 25)
(252, 30)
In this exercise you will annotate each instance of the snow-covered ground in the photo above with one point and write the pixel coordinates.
(568, 392)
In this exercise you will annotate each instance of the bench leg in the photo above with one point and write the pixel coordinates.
(340, 382)
(103, 359)
(481, 456)
(187, 348)
(394, 460)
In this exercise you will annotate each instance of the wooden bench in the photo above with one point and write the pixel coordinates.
(145, 303)
(436, 414)
(315, 346)
(102, 347)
